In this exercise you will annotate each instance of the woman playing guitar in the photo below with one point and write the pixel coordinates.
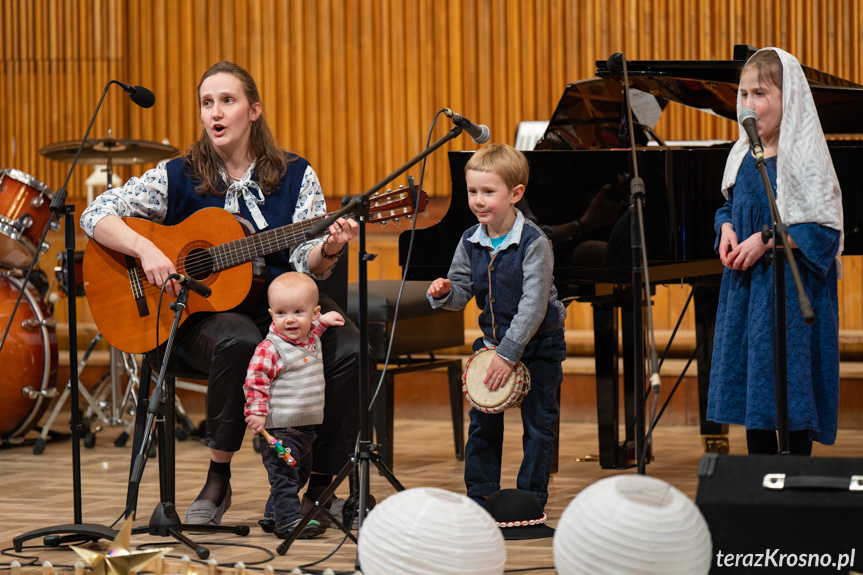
(236, 165)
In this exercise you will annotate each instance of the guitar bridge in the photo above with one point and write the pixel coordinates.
(137, 285)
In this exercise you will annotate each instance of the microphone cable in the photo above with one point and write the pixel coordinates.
(386, 361)
(407, 261)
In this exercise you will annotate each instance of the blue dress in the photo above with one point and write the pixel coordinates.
(741, 375)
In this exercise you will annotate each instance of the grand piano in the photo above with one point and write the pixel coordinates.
(576, 173)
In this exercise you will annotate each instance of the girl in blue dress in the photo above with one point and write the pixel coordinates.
(809, 201)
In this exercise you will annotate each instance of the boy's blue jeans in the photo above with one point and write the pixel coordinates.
(283, 504)
(540, 409)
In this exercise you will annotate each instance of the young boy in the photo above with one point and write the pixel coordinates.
(284, 391)
(506, 262)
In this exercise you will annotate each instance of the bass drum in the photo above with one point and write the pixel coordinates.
(29, 359)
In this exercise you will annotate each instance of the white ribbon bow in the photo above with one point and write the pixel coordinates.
(248, 188)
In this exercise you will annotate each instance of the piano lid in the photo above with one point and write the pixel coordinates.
(588, 114)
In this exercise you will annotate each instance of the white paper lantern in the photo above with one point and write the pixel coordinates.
(633, 525)
(428, 530)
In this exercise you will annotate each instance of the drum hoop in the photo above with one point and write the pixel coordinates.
(8, 229)
(46, 349)
(27, 180)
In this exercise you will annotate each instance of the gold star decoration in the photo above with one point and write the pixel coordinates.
(119, 560)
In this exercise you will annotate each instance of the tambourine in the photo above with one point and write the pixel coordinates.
(510, 394)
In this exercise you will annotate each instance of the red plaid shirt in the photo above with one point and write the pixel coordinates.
(266, 364)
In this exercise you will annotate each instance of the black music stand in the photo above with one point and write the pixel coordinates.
(366, 451)
(164, 521)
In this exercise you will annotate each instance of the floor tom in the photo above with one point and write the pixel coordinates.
(29, 359)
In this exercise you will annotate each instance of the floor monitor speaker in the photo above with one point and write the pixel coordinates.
(783, 514)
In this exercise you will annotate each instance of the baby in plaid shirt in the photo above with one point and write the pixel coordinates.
(284, 391)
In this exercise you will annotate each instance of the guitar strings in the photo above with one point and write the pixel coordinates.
(237, 252)
(243, 250)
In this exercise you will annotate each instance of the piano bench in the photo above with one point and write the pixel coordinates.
(419, 330)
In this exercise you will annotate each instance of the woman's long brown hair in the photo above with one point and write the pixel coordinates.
(205, 163)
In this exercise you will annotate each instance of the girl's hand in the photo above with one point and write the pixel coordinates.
(440, 288)
(498, 372)
(727, 243)
(747, 252)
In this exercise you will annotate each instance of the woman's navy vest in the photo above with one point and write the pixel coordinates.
(278, 208)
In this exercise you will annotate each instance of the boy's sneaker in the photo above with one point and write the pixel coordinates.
(268, 524)
(311, 530)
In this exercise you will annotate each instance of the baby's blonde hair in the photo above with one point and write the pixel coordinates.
(293, 281)
(502, 160)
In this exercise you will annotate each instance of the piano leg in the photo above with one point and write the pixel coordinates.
(714, 435)
(630, 408)
(605, 328)
(614, 454)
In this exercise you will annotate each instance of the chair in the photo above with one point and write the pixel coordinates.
(420, 330)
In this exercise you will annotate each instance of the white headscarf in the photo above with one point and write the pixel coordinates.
(808, 189)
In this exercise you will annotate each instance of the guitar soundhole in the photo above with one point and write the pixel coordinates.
(199, 264)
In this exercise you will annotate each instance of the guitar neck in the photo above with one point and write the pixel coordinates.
(209, 246)
(244, 250)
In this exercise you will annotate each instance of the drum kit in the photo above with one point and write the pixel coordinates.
(29, 353)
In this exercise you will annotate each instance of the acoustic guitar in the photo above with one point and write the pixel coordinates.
(211, 246)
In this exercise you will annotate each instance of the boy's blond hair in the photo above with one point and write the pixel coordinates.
(293, 281)
(502, 160)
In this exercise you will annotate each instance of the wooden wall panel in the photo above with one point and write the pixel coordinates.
(354, 85)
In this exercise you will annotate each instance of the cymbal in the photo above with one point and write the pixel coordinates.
(97, 151)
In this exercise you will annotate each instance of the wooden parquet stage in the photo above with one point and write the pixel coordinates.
(36, 490)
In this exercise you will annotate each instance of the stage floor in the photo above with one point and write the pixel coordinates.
(36, 490)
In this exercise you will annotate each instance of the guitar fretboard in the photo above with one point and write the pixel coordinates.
(263, 243)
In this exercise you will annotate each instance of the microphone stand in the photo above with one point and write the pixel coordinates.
(78, 531)
(366, 451)
(639, 267)
(778, 254)
(160, 415)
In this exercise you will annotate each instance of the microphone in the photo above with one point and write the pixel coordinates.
(479, 134)
(748, 119)
(193, 284)
(614, 64)
(139, 94)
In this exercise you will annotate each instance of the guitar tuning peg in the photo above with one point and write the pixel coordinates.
(401, 186)
(383, 223)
